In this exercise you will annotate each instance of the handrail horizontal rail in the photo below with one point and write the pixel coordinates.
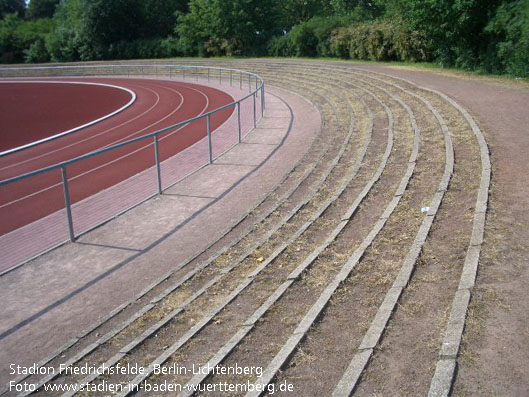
(124, 65)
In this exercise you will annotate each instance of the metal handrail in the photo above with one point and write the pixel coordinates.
(92, 71)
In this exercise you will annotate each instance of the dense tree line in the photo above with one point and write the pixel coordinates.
(488, 35)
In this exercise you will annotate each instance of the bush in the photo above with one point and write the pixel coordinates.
(379, 41)
(346, 38)
(340, 42)
(305, 41)
(17, 36)
(281, 46)
(411, 45)
(170, 47)
(309, 39)
(37, 52)
(137, 49)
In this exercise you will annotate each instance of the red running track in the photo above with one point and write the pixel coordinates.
(26, 109)
(159, 104)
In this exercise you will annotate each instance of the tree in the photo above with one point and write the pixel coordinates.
(66, 43)
(159, 17)
(37, 52)
(113, 29)
(41, 8)
(298, 11)
(508, 39)
(228, 27)
(455, 27)
(106, 22)
(85, 29)
(8, 47)
(17, 35)
(12, 7)
(362, 9)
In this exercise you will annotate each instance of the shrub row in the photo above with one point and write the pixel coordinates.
(335, 37)
(381, 41)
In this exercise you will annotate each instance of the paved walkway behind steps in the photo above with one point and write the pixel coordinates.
(55, 297)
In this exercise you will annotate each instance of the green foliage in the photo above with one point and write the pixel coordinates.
(349, 38)
(68, 41)
(321, 30)
(361, 9)
(304, 40)
(299, 11)
(99, 23)
(12, 7)
(508, 31)
(471, 34)
(159, 17)
(17, 35)
(145, 48)
(41, 8)
(309, 39)
(380, 41)
(195, 27)
(37, 52)
(117, 29)
(489, 35)
(9, 47)
(281, 46)
(227, 27)
(454, 27)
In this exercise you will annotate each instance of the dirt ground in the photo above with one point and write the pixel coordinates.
(495, 354)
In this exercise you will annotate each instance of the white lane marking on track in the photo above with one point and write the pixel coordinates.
(90, 137)
(150, 125)
(72, 130)
(109, 162)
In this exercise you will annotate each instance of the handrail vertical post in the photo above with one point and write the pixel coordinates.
(254, 115)
(196, 72)
(157, 162)
(239, 121)
(240, 80)
(249, 83)
(262, 100)
(231, 78)
(220, 76)
(67, 204)
(208, 130)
